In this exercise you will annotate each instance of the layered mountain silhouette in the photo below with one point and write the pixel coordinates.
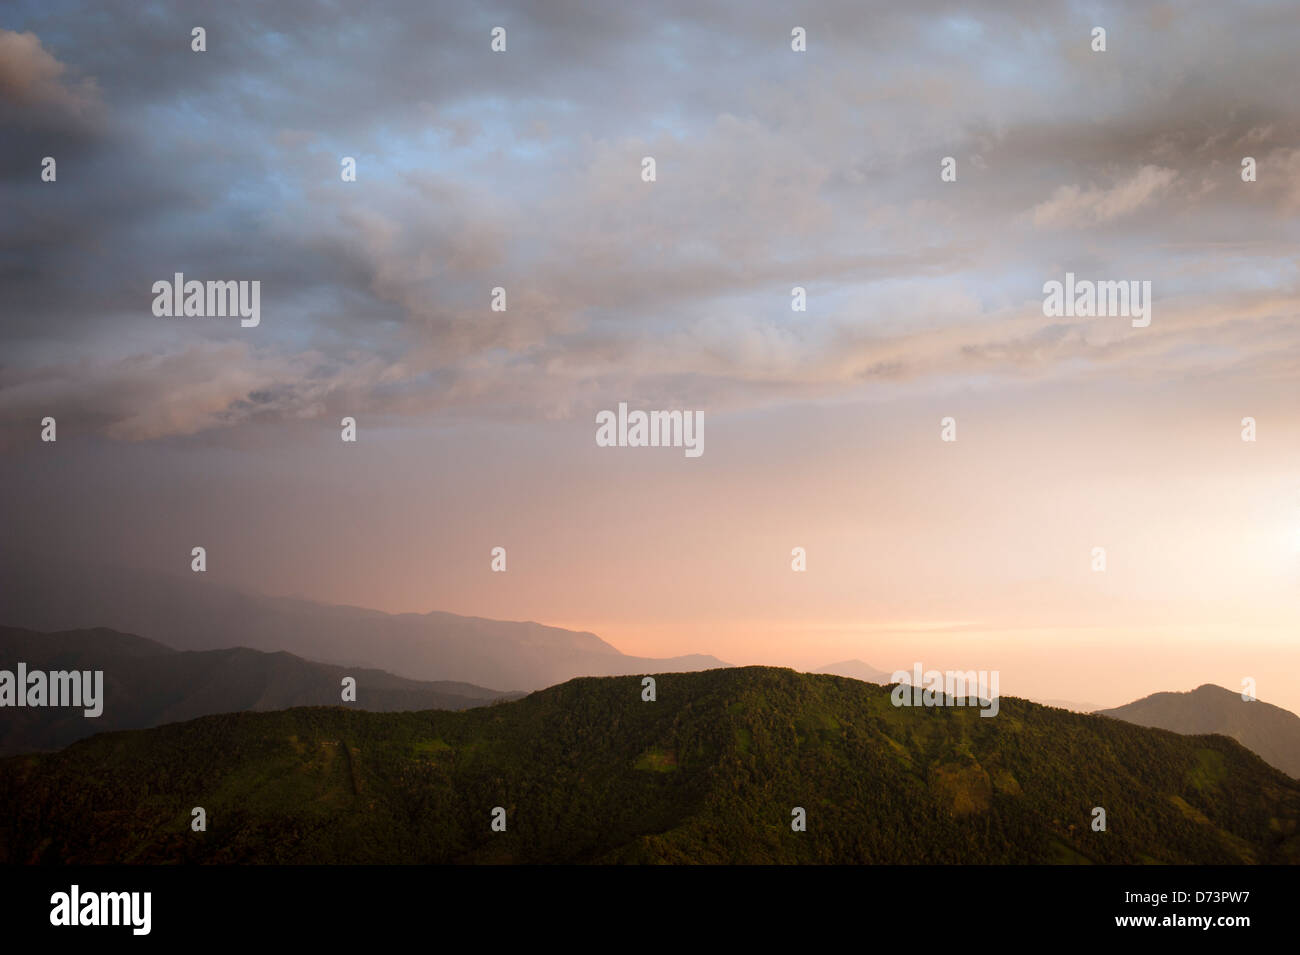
(1074, 705)
(714, 770)
(858, 670)
(147, 684)
(1270, 731)
(188, 613)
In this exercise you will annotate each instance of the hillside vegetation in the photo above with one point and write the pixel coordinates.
(710, 772)
(1270, 731)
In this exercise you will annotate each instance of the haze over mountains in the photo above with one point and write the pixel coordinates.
(1270, 731)
(189, 613)
(402, 661)
(147, 684)
(858, 670)
(1073, 705)
(710, 771)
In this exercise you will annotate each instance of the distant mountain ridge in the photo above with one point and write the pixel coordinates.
(1270, 731)
(712, 771)
(1072, 705)
(147, 684)
(188, 613)
(858, 670)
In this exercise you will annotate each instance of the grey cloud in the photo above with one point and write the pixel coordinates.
(521, 170)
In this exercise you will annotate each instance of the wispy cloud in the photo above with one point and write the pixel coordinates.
(1077, 207)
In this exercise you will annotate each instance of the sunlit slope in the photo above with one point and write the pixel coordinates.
(709, 772)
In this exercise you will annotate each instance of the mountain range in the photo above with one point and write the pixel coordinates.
(720, 767)
(151, 684)
(147, 684)
(188, 613)
(279, 652)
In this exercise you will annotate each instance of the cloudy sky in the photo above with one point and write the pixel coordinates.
(775, 169)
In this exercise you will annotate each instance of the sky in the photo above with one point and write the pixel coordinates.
(774, 169)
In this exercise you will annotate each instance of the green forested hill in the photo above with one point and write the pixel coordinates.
(1270, 731)
(588, 772)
